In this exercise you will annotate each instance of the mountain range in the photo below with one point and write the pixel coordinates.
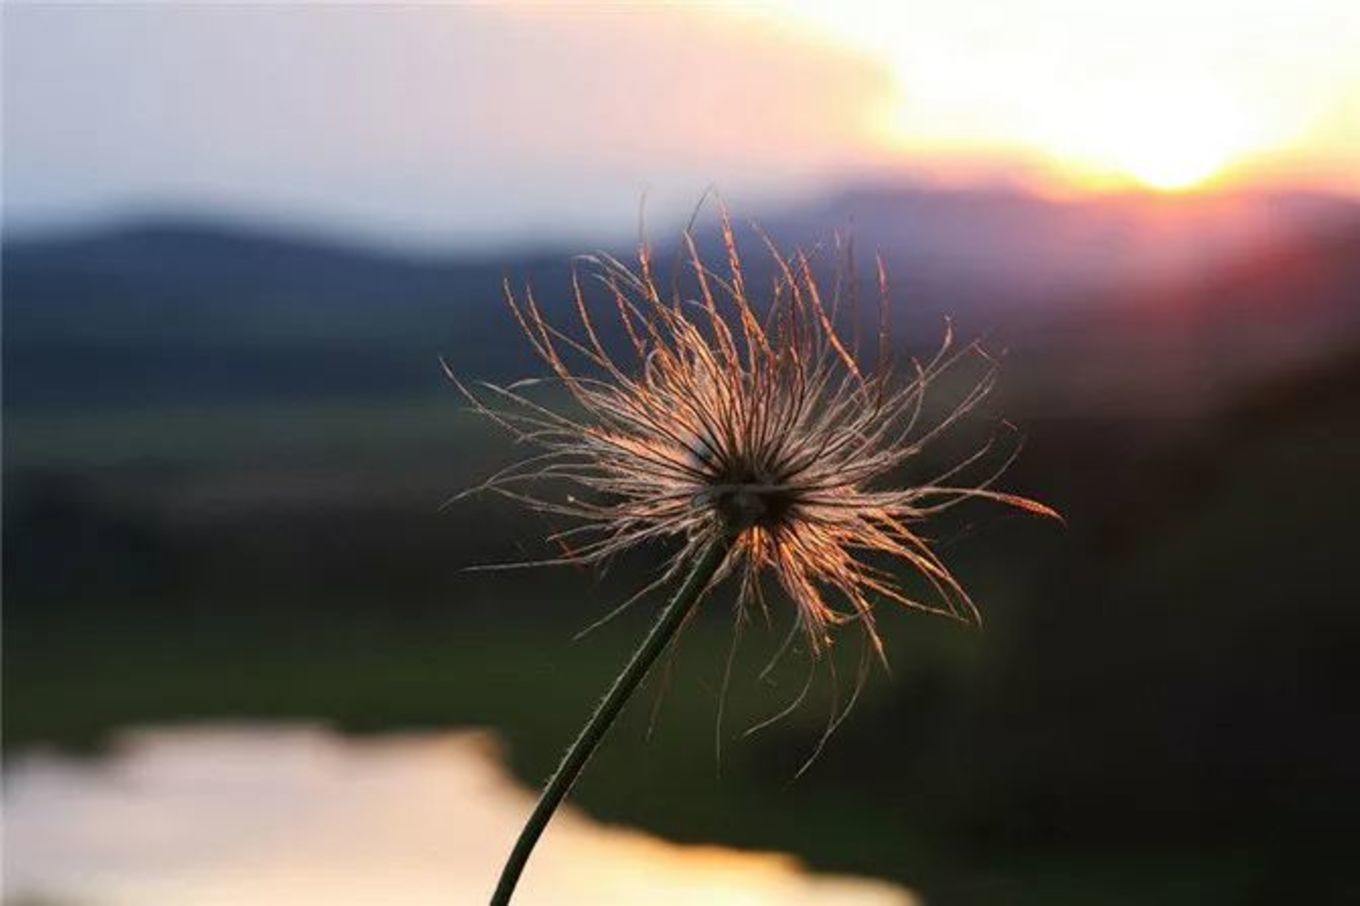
(1136, 300)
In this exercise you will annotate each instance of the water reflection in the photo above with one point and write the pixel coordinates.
(299, 816)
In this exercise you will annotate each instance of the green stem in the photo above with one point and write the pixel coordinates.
(595, 729)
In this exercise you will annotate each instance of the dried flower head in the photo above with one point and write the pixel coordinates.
(750, 423)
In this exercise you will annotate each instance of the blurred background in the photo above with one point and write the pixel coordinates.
(238, 239)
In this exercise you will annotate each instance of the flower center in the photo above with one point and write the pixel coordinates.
(743, 504)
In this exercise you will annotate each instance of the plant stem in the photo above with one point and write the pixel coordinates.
(595, 729)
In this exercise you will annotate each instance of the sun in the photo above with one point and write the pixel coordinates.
(1168, 135)
(1163, 132)
(1174, 137)
(1171, 163)
(1164, 129)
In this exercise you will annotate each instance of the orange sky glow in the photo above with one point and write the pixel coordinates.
(1075, 94)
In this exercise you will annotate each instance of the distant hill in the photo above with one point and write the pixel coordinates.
(190, 312)
(181, 312)
(1042, 251)
(1182, 345)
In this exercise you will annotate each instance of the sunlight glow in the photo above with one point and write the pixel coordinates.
(1162, 94)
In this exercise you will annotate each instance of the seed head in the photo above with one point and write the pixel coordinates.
(750, 422)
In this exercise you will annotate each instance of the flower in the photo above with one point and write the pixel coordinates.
(753, 424)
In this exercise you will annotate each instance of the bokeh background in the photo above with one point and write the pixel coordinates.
(239, 238)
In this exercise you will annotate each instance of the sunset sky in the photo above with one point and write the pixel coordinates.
(478, 125)
(1166, 94)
